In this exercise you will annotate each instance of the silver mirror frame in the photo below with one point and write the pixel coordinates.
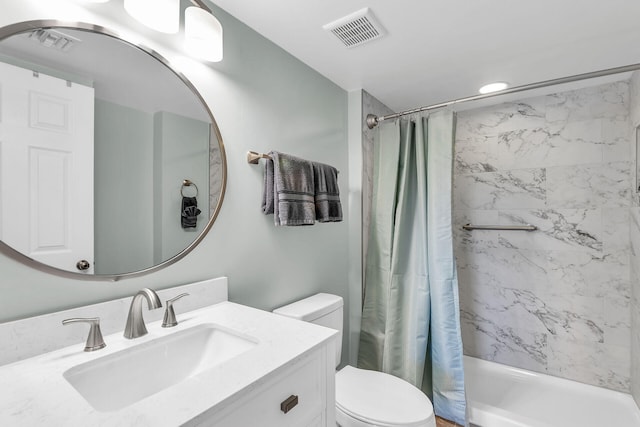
(20, 27)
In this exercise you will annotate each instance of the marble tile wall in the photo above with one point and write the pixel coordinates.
(634, 121)
(635, 303)
(556, 300)
(216, 180)
(370, 105)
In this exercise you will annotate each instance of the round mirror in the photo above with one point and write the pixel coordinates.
(111, 164)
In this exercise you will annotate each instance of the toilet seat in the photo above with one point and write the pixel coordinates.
(379, 399)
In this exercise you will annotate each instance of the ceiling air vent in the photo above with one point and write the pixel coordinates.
(357, 28)
(53, 39)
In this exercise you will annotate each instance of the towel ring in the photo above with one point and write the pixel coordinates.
(188, 183)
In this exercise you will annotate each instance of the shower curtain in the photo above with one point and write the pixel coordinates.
(410, 319)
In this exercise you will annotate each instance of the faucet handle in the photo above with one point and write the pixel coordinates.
(169, 313)
(94, 340)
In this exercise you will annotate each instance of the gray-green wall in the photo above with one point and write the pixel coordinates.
(181, 151)
(262, 99)
(141, 160)
(123, 180)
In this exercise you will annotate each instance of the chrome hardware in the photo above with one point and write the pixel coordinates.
(375, 120)
(254, 157)
(83, 264)
(527, 227)
(94, 340)
(188, 183)
(169, 314)
(135, 322)
(372, 121)
(289, 404)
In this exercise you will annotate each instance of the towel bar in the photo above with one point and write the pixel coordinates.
(527, 227)
(254, 157)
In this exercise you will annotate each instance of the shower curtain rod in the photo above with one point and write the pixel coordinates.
(373, 120)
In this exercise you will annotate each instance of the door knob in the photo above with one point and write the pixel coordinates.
(83, 264)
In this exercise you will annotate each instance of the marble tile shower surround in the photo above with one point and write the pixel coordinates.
(557, 300)
(215, 176)
(635, 304)
(634, 121)
(370, 105)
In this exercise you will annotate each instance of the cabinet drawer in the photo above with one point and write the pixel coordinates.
(304, 380)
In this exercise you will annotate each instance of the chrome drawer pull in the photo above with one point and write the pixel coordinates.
(289, 404)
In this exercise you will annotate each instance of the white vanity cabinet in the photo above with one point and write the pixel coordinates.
(300, 394)
(275, 358)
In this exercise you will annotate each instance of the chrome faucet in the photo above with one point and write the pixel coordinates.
(94, 339)
(135, 322)
(169, 320)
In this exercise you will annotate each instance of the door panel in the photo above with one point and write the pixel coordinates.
(46, 167)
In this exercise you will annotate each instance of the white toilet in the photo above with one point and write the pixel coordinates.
(364, 398)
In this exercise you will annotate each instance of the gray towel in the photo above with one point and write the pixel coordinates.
(190, 212)
(293, 190)
(327, 193)
(267, 192)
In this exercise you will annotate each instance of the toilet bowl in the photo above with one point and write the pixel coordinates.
(370, 398)
(364, 398)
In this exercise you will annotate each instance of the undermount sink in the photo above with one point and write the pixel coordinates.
(115, 381)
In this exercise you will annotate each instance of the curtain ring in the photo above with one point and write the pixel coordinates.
(188, 183)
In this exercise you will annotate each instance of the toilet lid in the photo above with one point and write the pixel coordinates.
(381, 399)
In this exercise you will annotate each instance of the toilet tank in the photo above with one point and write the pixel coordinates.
(321, 309)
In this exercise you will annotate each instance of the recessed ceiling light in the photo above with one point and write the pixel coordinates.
(493, 87)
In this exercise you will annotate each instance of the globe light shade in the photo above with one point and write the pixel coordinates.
(160, 15)
(203, 34)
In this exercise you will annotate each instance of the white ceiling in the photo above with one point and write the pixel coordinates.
(119, 72)
(439, 50)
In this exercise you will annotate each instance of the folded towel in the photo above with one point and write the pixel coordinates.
(267, 192)
(327, 193)
(293, 190)
(190, 212)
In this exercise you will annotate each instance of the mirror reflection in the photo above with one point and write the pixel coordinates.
(109, 162)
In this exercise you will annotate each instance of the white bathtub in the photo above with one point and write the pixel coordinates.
(502, 396)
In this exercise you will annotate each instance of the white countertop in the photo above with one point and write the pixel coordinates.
(34, 392)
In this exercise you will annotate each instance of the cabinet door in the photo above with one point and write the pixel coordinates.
(317, 422)
(305, 379)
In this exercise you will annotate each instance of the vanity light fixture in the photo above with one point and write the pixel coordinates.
(493, 87)
(203, 34)
(160, 15)
(202, 30)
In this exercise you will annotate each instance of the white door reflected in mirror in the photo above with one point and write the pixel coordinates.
(46, 172)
